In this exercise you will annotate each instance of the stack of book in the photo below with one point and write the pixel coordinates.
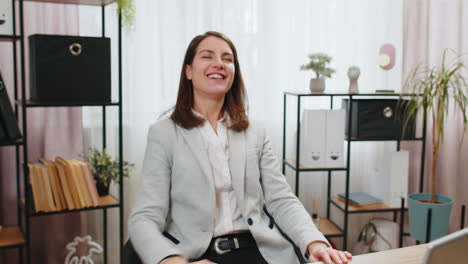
(62, 185)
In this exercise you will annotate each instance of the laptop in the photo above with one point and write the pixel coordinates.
(450, 249)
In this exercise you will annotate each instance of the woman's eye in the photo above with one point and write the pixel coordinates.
(228, 59)
(206, 57)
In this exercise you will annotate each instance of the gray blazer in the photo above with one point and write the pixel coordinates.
(175, 206)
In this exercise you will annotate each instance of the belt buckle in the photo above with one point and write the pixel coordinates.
(221, 251)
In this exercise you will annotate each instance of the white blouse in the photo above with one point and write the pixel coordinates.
(228, 217)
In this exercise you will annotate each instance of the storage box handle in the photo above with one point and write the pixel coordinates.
(388, 112)
(75, 49)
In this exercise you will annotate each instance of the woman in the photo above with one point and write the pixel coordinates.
(211, 189)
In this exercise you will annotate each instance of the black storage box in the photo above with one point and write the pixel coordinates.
(70, 69)
(378, 119)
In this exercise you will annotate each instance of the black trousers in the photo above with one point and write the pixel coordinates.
(243, 255)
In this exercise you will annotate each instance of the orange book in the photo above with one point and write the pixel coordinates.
(55, 184)
(81, 181)
(73, 185)
(49, 197)
(89, 180)
(34, 187)
(69, 202)
(41, 189)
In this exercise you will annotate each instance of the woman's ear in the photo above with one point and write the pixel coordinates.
(188, 71)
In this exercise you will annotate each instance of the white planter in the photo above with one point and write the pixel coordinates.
(317, 85)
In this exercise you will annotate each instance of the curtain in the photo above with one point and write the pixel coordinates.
(51, 132)
(430, 28)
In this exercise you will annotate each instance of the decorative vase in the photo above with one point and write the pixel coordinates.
(418, 210)
(353, 74)
(317, 85)
(102, 189)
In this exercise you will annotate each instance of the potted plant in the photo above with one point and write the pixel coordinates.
(104, 168)
(435, 90)
(318, 62)
(126, 8)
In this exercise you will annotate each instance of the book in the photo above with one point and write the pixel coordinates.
(49, 197)
(83, 188)
(34, 188)
(360, 198)
(7, 116)
(90, 183)
(69, 201)
(55, 184)
(72, 183)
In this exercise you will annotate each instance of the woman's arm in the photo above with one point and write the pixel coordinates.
(148, 218)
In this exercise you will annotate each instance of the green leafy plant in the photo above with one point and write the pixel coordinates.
(437, 90)
(126, 8)
(318, 62)
(105, 169)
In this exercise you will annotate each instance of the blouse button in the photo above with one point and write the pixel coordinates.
(250, 221)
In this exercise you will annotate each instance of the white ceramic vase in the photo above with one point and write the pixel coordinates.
(317, 85)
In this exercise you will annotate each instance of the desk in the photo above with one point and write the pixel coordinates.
(407, 255)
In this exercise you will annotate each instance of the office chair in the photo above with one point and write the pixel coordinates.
(130, 255)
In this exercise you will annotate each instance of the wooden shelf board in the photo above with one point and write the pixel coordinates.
(11, 236)
(328, 228)
(378, 206)
(293, 163)
(77, 2)
(104, 202)
(107, 200)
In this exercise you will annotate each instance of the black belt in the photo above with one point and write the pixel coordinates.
(224, 244)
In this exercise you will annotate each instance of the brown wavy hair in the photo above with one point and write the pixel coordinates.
(235, 101)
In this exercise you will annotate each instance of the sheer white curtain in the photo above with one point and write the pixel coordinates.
(273, 39)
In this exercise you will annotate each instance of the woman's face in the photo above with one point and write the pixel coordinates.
(212, 69)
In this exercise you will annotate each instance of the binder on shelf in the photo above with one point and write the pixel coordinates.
(312, 149)
(7, 116)
(335, 136)
(6, 17)
(398, 178)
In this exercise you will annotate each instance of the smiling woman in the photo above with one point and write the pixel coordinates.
(211, 189)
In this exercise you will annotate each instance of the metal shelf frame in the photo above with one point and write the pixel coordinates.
(23, 232)
(297, 169)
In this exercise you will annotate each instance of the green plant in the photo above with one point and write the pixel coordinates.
(104, 168)
(126, 8)
(318, 63)
(437, 90)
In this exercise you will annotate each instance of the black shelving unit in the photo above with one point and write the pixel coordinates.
(19, 236)
(344, 207)
(13, 236)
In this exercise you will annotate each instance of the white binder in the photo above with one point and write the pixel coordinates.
(397, 177)
(312, 143)
(335, 136)
(6, 26)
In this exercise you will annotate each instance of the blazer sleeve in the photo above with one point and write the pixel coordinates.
(288, 212)
(148, 217)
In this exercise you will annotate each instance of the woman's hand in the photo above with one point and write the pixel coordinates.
(319, 251)
(181, 260)
(205, 261)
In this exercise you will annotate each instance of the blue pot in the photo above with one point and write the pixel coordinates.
(418, 215)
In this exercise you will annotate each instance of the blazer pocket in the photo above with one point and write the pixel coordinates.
(171, 238)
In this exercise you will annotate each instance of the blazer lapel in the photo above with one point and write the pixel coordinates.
(194, 141)
(237, 163)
